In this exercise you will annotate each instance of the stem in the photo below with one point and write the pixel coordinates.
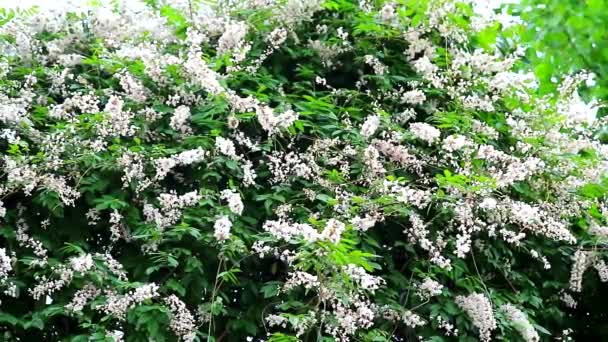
(213, 293)
(479, 275)
(191, 12)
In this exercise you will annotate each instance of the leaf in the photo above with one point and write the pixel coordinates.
(35, 323)
(176, 286)
(542, 329)
(176, 19)
(271, 289)
(593, 190)
(109, 202)
(9, 319)
(280, 337)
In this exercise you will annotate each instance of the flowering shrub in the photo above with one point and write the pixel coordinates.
(290, 170)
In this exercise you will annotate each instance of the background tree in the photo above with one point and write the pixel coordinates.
(562, 37)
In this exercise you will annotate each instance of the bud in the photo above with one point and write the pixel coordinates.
(233, 122)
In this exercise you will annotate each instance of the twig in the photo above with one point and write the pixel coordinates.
(213, 293)
(479, 275)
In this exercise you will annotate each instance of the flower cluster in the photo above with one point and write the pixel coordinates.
(520, 322)
(479, 308)
(300, 169)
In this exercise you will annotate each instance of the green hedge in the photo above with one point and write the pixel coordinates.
(290, 170)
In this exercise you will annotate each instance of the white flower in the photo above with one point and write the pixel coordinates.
(82, 297)
(425, 132)
(182, 321)
(568, 300)
(249, 174)
(363, 223)
(582, 261)
(370, 125)
(171, 206)
(82, 263)
(164, 165)
(234, 201)
(333, 230)
(374, 62)
(133, 87)
(116, 335)
(520, 322)
(190, 156)
(578, 112)
(273, 123)
(488, 203)
(5, 265)
(222, 228)
(118, 120)
(277, 37)
(199, 72)
(479, 309)
(13, 113)
(429, 288)
(413, 97)
(426, 68)
(225, 147)
(455, 142)
(179, 120)
(412, 319)
(117, 305)
(387, 13)
(232, 38)
(364, 279)
(299, 278)
(286, 231)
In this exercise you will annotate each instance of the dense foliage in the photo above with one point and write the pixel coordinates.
(290, 170)
(565, 37)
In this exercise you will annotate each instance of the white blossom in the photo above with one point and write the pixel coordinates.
(333, 231)
(179, 120)
(234, 201)
(370, 126)
(479, 309)
(364, 279)
(82, 263)
(455, 142)
(222, 228)
(413, 97)
(520, 322)
(429, 288)
(425, 132)
(225, 147)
